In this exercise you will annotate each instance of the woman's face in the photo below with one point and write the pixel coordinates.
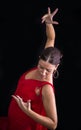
(45, 68)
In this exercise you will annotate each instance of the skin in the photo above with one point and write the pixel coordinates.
(44, 72)
(50, 31)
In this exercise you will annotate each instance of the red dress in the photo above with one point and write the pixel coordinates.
(27, 89)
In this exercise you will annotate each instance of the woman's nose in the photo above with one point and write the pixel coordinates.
(44, 72)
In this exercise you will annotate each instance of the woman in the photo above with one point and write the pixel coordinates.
(33, 106)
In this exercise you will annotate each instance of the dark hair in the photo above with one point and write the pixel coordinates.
(51, 55)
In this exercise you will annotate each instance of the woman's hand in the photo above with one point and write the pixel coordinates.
(48, 18)
(25, 106)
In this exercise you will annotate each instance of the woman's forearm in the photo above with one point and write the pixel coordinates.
(50, 34)
(43, 120)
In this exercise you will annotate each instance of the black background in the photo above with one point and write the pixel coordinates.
(22, 36)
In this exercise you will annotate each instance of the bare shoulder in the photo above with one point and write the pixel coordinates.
(47, 90)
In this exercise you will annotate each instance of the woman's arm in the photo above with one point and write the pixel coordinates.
(50, 31)
(50, 120)
(50, 34)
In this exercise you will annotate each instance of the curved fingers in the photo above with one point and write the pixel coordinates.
(44, 18)
(16, 99)
(54, 12)
(49, 11)
(48, 18)
(55, 22)
(29, 104)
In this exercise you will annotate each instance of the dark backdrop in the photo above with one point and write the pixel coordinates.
(22, 36)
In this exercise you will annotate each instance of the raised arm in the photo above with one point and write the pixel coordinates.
(50, 31)
(50, 34)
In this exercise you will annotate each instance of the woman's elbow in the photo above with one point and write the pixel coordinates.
(54, 125)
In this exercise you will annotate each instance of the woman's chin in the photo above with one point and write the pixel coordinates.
(43, 77)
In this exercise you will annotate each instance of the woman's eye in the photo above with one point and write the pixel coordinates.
(49, 70)
(41, 67)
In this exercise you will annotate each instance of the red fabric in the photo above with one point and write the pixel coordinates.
(3, 123)
(26, 89)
